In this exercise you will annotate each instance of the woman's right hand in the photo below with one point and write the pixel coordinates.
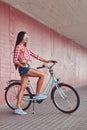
(25, 66)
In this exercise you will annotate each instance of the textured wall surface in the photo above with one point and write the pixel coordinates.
(72, 58)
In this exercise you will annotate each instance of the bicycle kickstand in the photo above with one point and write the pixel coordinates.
(33, 107)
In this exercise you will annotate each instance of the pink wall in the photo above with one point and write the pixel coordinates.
(72, 66)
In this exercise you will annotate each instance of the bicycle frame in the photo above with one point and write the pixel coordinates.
(52, 81)
(48, 86)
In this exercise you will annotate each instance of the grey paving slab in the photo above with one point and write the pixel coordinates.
(46, 117)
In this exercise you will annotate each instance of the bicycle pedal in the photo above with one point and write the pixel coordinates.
(33, 95)
(39, 101)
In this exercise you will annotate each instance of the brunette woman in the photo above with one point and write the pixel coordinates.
(22, 61)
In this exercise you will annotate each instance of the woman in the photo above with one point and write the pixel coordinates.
(22, 62)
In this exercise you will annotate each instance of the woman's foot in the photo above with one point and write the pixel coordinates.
(40, 96)
(19, 111)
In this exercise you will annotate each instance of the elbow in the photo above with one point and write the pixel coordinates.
(15, 62)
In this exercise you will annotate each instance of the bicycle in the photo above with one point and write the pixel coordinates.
(64, 97)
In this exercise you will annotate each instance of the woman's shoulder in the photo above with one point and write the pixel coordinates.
(19, 46)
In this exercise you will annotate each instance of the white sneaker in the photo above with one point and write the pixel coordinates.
(20, 111)
(40, 96)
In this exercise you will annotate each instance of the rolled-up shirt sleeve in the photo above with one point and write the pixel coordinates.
(16, 54)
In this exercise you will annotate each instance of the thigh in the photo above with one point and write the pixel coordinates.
(35, 73)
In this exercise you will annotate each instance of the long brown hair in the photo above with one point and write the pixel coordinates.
(18, 41)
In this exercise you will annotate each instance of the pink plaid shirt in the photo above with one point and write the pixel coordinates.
(23, 53)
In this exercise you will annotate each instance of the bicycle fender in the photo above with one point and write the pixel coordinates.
(8, 86)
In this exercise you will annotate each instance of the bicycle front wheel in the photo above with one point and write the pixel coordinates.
(65, 98)
(11, 96)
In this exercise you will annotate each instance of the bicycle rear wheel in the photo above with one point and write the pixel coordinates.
(65, 98)
(11, 95)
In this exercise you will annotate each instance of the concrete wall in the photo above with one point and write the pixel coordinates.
(72, 58)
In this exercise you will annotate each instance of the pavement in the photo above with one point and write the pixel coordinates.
(46, 116)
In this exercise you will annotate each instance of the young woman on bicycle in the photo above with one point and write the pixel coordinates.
(22, 62)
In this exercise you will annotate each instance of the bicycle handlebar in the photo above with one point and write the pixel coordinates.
(43, 66)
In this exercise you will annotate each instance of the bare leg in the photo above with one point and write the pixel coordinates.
(24, 80)
(40, 75)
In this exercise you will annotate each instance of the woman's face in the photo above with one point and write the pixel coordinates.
(25, 38)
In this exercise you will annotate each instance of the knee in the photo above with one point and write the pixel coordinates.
(42, 76)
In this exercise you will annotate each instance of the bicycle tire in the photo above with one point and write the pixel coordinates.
(11, 95)
(68, 104)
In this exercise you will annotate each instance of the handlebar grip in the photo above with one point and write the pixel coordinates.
(41, 67)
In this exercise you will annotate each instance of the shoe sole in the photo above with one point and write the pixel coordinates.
(18, 113)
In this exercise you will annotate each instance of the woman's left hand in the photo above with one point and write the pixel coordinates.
(49, 61)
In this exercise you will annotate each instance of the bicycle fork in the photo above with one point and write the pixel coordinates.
(60, 91)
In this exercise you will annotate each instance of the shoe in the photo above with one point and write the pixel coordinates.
(40, 96)
(20, 111)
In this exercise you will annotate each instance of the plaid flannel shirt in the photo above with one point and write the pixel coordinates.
(23, 53)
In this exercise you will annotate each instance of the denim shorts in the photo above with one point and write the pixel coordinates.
(24, 71)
